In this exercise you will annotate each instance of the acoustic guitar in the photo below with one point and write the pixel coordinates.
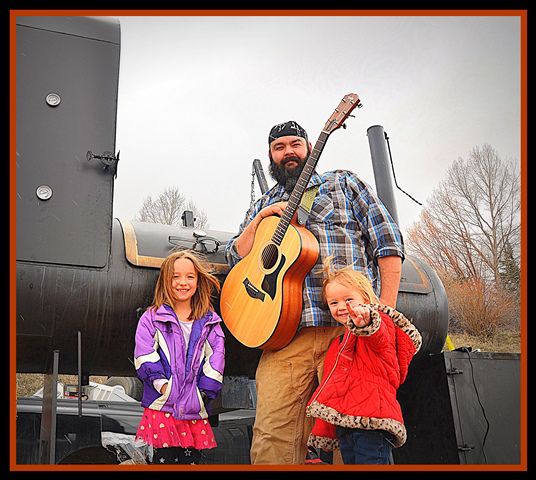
(261, 298)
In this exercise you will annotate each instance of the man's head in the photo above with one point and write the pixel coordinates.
(288, 151)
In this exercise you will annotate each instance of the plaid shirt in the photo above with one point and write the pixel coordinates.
(349, 222)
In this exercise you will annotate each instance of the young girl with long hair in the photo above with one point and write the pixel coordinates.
(179, 355)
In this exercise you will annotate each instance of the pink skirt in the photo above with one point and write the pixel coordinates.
(161, 430)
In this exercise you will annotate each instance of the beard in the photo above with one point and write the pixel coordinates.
(285, 177)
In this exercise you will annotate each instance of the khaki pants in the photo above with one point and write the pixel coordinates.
(285, 381)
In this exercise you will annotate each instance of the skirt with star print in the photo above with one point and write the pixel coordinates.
(162, 430)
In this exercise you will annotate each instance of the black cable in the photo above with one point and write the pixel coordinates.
(393, 169)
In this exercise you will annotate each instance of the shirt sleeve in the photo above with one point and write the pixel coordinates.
(159, 383)
(382, 232)
(231, 254)
(210, 379)
(146, 350)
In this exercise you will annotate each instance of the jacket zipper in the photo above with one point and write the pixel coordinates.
(325, 381)
(195, 358)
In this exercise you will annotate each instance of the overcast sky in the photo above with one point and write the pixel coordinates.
(198, 96)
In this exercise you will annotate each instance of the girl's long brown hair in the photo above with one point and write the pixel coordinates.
(206, 282)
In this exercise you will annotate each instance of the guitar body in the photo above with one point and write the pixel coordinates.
(261, 298)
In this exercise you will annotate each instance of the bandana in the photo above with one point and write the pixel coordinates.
(284, 129)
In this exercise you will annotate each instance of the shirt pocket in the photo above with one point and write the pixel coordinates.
(323, 210)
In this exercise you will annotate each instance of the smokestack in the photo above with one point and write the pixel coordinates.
(257, 167)
(382, 172)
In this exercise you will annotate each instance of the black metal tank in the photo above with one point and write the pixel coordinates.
(54, 302)
(77, 268)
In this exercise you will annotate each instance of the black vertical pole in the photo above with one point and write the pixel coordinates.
(382, 171)
(79, 373)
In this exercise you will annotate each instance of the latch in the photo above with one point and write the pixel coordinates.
(108, 160)
(201, 243)
(465, 448)
(454, 371)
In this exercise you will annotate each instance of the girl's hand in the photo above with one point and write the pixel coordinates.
(359, 314)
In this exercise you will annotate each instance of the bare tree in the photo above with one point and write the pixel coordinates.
(168, 208)
(472, 222)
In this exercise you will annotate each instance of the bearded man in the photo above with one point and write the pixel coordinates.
(351, 225)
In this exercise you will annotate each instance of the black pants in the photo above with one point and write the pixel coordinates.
(183, 456)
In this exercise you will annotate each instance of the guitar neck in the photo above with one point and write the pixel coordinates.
(299, 188)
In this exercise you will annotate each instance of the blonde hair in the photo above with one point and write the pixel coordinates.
(206, 282)
(347, 276)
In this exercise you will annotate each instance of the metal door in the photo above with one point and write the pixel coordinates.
(66, 101)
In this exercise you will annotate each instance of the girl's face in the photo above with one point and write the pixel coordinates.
(184, 280)
(336, 296)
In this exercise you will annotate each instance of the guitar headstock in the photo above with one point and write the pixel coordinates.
(342, 112)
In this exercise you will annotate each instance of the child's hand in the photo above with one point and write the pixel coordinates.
(359, 314)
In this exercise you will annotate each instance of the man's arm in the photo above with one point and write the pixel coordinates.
(390, 273)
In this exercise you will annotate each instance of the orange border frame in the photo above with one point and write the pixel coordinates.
(522, 14)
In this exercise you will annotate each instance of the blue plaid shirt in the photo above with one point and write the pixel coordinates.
(349, 222)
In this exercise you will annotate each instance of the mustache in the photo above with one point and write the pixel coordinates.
(290, 159)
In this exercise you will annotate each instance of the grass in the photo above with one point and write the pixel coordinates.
(29, 383)
(505, 342)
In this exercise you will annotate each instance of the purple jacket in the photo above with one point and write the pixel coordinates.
(161, 352)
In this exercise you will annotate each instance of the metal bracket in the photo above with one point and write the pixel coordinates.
(108, 160)
(465, 448)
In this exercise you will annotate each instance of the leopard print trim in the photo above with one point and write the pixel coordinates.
(367, 330)
(325, 443)
(401, 322)
(330, 415)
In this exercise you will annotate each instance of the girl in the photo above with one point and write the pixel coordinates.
(355, 405)
(179, 355)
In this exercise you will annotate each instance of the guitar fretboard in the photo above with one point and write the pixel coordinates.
(299, 188)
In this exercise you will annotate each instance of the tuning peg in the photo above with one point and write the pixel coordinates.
(344, 125)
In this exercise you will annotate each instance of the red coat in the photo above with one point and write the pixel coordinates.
(362, 372)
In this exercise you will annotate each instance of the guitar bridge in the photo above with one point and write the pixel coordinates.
(253, 291)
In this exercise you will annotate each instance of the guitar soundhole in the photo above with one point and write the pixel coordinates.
(269, 256)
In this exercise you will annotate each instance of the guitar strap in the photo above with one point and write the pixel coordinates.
(306, 204)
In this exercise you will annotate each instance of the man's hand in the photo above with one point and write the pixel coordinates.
(274, 209)
(244, 243)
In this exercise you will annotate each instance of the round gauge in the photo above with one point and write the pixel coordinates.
(53, 99)
(43, 192)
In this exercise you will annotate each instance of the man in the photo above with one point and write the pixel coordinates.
(351, 224)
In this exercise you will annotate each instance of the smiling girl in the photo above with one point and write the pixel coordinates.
(179, 355)
(355, 405)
